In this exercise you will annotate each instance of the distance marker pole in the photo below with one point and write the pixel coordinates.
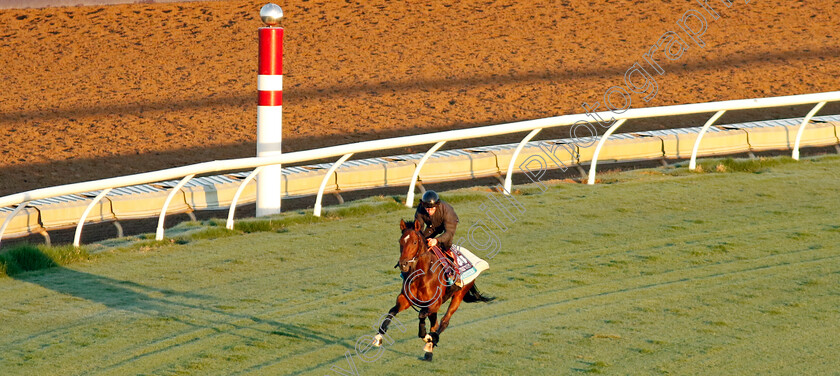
(270, 109)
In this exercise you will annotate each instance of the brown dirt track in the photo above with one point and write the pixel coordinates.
(93, 92)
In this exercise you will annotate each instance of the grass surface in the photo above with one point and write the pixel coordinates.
(730, 271)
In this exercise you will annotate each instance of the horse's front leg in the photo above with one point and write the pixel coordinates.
(428, 348)
(402, 305)
(422, 316)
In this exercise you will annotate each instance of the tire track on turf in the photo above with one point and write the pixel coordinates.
(511, 266)
(511, 269)
(647, 286)
(312, 306)
(609, 293)
(216, 329)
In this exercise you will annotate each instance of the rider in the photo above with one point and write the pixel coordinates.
(441, 221)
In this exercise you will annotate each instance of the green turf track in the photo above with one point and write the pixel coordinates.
(655, 272)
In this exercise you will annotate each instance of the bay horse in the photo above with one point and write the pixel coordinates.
(425, 287)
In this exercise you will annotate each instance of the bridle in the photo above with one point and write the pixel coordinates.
(413, 262)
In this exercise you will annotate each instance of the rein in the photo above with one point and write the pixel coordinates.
(413, 265)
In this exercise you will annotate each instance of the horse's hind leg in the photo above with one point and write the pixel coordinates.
(402, 304)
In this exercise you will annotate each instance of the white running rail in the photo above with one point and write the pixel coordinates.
(406, 141)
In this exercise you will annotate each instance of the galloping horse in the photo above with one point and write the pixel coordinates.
(425, 287)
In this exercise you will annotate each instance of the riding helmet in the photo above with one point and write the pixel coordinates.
(430, 199)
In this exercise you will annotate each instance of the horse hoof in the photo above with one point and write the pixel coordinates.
(427, 357)
(427, 338)
(377, 340)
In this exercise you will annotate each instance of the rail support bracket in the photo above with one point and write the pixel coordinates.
(120, 232)
(43, 232)
(582, 172)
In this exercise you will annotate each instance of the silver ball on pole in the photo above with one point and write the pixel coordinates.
(271, 14)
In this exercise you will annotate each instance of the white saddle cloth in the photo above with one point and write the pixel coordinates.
(469, 264)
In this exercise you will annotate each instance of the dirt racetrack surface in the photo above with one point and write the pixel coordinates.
(94, 92)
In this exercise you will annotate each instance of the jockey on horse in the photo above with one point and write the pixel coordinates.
(424, 287)
(440, 220)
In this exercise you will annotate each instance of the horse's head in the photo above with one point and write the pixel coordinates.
(412, 245)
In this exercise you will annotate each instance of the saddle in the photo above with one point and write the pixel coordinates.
(452, 266)
(468, 266)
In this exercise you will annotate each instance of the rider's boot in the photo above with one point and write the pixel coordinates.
(450, 280)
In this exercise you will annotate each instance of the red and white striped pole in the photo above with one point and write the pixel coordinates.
(270, 109)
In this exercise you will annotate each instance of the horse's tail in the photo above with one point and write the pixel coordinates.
(474, 295)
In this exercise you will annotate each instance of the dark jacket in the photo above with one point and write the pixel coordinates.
(443, 223)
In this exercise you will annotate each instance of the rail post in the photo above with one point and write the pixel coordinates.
(409, 198)
(512, 163)
(594, 165)
(172, 193)
(270, 108)
(795, 154)
(693, 163)
(11, 216)
(77, 238)
(330, 171)
(242, 185)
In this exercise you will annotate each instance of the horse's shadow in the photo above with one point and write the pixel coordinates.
(192, 309)
(112, 293)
